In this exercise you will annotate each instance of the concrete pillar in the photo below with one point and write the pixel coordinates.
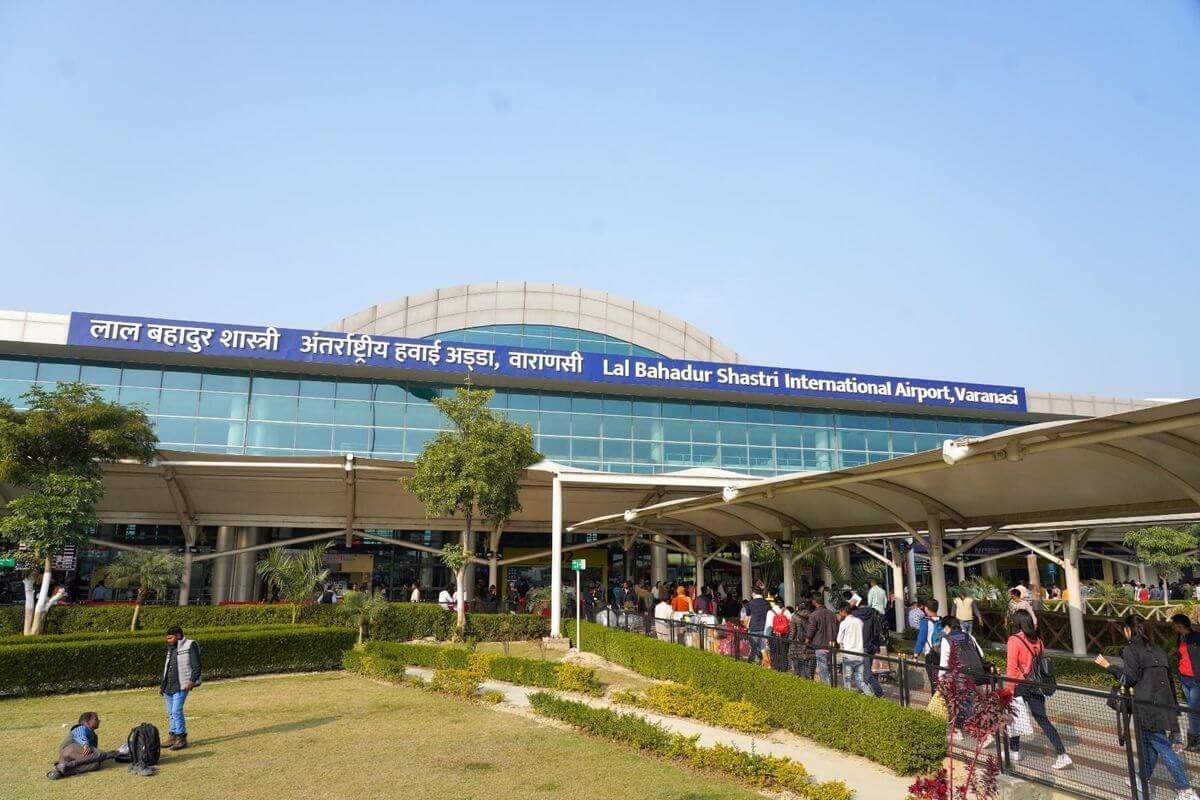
(245, 580)
(185, 583)
(910, 571)
(222, 568)
(494, 559)
(843, 559)
(556, 557)
(627, 561)
(747, 569)
(698, 554)
(937, 566)
(962, 570)
(991, 568)
(1074, 595)
(658, 560)
(898, 589)
(1107, 567)
(789, 574)
(1035, 577)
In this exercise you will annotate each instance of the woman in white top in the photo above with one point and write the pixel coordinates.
(415, 597)
(446, 600)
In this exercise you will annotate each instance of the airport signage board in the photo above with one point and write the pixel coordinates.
(434, 355)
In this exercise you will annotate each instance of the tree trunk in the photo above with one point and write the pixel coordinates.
(1166, 594)
(137, 610)
(30, 602)
(295, 612)
(459, 574)
(41, 607)
(361, 630)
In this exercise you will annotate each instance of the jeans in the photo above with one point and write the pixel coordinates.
(176, 722)
(852, 675)
(822, 658)
(967, 626)
(1037, 710)
(933, 662)
(1156, 744)
(1191, 696)
(869, 676)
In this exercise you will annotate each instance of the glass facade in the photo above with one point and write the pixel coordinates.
(269, 413)
(545, 337)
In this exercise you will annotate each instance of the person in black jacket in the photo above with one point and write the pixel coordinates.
(1147, 670)
(1187, 646)
(873, 626)
(756, 622)
(821, 634)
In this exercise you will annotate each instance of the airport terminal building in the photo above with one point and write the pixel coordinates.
(609, 386)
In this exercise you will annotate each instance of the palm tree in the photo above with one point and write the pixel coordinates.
(294, 577)
(365, 607)
(150, 571)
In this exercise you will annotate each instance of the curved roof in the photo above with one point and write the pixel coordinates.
(514, 303)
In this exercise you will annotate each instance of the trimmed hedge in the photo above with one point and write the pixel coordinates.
(399, 622)
(97, 636)
(760, 771)
(907, 740)
(681, 700)
(510, 669)
(87, 665)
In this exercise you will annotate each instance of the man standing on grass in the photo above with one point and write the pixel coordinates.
(181, 674)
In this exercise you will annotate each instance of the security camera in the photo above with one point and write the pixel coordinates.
(955, 450)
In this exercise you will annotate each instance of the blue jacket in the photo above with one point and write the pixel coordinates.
(923, 631)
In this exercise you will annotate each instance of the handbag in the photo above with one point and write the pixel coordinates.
(1021, 722)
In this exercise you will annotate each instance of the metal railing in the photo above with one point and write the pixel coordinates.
(1108, 748)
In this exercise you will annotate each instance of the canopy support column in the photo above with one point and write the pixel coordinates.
(962, 570)
(897, 564)
(494, 558)
(658, 560)
(789, 574)
(991, 569)
(1070, 564)
(937, 565)
(747, 569)
(185, 584)
(699, 556)
(1035, 577)
(910, 570)
(556, 557)
(222, 569)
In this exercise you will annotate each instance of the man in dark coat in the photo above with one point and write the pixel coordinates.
(756, 623)
(821, 633)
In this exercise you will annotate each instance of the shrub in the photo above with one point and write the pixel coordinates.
(455, 682)
(510, 669)
(372, 666)
(577, 678)
(688, 701)
(157, 635)
(430, 656)
(492, 697)
(505, 627)
(742, 716)
(86, 665)
(906, 740)
(760, 771)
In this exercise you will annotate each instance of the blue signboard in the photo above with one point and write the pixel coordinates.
(322, 347)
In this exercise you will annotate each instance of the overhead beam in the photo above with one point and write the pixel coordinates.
(929, 502)
(875, 504)
(1033, 548)
(974, 540)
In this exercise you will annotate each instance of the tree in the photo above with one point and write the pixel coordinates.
(294, 577)
(456, 558)
(54, 449)
(1168, 550)
(474, 469)
(150, 571)
(365, 607)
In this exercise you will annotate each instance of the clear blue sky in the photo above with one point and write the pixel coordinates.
(993, 192)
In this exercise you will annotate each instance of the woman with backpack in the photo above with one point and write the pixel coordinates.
(1147, 671)
(1024, 649)
(779, 628)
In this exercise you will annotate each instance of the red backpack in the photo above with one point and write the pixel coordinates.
(780, 624)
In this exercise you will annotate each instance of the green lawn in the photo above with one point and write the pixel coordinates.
(339, 736)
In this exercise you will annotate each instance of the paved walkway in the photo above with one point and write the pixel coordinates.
(869, 780)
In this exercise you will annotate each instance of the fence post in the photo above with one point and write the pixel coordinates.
(1123, 730)
(1141, 778)
(833, 665)
(902, 678)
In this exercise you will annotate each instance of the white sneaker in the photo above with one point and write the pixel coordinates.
(1062, 762)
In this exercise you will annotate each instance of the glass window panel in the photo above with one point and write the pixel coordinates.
(789, 458)
(618, 405)
(181, 378)
(676, 409)
(618, 450)
(703, 431)
(677, 430)
(224, 406)
(231, 434)
(318, 387)
(970, 428)
(288, 387)
(853, 440)
(508, 339)
(179, 402)
(588, 346)
(900, 422)
(538, 330)
(818, 459)
(354, 390)
(390, 392)
(925, 425)
(585, 424)
(351, 440)
(929, 442)
(677, 454)
(389, 415)
(705, 454)
(647, 408)
(146, 399)
(853, 459)
(733, 433)
(877, 441)
(315, 410)
(762, 457)
(523, 400)
(388, 440)
(648, 429)
(732, 413)
(415, 441)
(760, 414)
(110, 393)
(788, 416)
(618, 427)
(950, 426)
(904, 443)
(789, 437)
(98, 375)
(555, 424)
(617, 348)
(54, 372)
(559, 343)
(314, 437)
(175, 431)
(647, 452)
(18, 369)
(845, 420)
(761, 435)
(555, 448)
(268, 434)
(499, 400)
(821, 438)
(585, 448)
(529, 418)
(279, 409)
(352, 412)
(734, 456)
(556, 402)
(223, 382)
(873, 457)
(816, 418)
(704, 411)
(591, 405)
(423, 417)
(478, 337)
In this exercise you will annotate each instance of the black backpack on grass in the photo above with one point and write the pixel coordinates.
(145, 747)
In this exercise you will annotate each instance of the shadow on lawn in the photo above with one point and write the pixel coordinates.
(281, 727)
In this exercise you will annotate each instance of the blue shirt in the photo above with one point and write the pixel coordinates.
(83, 735)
